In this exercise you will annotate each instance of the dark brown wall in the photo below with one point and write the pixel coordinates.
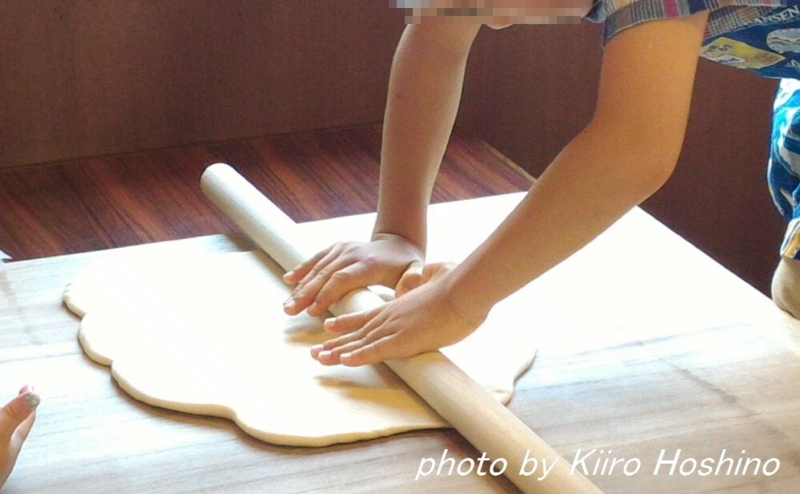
(83, 78)
(718, 197)
(530, 90)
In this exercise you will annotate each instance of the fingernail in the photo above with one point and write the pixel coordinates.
(290, 302)
(345, 356)
(313, 308)
(317, 348)
(32, 400)
(324, 355)
(329, 322)
(288, 274)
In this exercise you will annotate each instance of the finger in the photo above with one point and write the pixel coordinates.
(306, 292)
(329, 345)
(329, 256)
(328, 355)
(299, 272)
(333, 356)
(385, 343)
(339, 284)
(348, 323)
(411, 278)
(374, 352)
(436, 270)
(357, 325)
(16, 412)
(390, 346)
(24, 429)
(362, 324)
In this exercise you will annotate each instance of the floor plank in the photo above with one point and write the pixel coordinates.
(94, 204)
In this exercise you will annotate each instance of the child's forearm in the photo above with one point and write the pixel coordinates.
(626, 154)
(424, 93)
(591, 184)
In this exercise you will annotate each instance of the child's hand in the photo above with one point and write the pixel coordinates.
(388, 260)
(422, 320)
(16, 420)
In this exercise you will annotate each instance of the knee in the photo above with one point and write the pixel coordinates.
(786, 286)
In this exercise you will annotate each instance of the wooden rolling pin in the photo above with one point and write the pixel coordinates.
(474, 413)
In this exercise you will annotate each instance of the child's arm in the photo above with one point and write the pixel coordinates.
(625, 154)
(423, 98)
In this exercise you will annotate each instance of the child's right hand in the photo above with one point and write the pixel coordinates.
(16, 420)
(388, 260)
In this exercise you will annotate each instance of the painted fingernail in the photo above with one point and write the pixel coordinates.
(32, 400)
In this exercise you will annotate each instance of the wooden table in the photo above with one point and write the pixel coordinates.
(648, 346)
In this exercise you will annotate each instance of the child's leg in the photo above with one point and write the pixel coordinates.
(784, 185)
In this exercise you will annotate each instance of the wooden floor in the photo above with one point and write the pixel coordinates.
(93, 204)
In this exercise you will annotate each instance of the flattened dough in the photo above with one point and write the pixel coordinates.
(207, 335)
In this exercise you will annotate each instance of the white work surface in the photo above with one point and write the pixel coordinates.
(647, 346)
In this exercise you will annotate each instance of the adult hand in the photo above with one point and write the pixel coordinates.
(16, 420)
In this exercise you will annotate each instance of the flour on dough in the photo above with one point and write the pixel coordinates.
(207, 335)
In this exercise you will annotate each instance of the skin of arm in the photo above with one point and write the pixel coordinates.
(424, 92)
(627, 152)
(423, 98)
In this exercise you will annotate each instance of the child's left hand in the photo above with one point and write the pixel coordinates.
(421, 320)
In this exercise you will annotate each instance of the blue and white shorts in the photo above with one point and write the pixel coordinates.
(783, 172)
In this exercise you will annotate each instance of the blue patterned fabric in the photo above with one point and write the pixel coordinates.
(725, 16)
(783, 169)
(758, 35)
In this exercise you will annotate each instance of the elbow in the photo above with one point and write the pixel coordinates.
(654, 170)
(644, 158)
(646, 173)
